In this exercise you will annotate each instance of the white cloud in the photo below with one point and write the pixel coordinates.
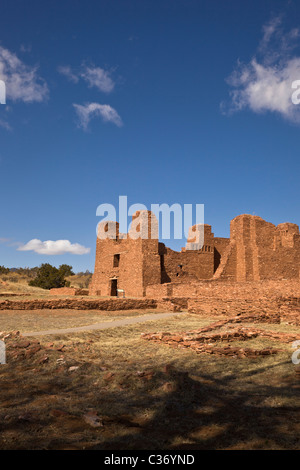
(58, 247)
(265, 83)
(98, 78)
(22, 81)
(94, 76)
(90, 110)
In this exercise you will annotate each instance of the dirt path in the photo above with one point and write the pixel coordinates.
(104, 325)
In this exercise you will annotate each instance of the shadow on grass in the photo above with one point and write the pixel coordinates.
(207, 413)
(173, 410)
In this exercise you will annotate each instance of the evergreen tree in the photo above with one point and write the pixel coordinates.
(48, 277)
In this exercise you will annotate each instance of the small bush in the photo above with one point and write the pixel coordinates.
(4, 270)
(49, 277)
(66, 270)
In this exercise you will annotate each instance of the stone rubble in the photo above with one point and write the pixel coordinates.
(202, 340)
(20, 348)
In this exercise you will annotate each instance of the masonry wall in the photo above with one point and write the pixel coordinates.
(220, 246)
(257, 250)
(194, 262)
(151, 263)
(235, 291)
(68, 291)
(136, 266)
(187, 265)
(124, 261)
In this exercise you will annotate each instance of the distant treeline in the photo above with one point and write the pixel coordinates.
(32, 272)
(47, 276)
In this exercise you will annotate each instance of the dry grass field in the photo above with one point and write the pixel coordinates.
(18, 284)
(15, 283)
(39, 320)
(112, 389)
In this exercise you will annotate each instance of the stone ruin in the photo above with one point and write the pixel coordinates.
(256, 250)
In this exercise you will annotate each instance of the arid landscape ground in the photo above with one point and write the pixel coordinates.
(188, 381)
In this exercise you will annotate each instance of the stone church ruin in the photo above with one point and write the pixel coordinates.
(256, 250)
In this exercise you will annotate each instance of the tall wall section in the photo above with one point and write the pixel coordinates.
(259, 250)
(124, 261)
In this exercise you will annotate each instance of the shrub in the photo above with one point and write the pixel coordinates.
(49, 277)
(66, 270)
(4, 270)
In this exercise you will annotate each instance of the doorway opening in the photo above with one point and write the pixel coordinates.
(113, 287)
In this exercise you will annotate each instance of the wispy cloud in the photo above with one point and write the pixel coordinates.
(25, 48)
(99, 78)
(91, 110)
(265, 82)
(5, 125)
(67, 72)
(58, 247)
(94, 76)
(22, 81)
(4, 240)
(270, 29)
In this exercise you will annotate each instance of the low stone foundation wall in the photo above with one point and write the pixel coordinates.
(289, 290)
(69, 291)
(13, 294)
(172, 304)
(233, 307)
(79, 304)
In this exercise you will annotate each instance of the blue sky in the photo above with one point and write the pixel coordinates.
(165, 102)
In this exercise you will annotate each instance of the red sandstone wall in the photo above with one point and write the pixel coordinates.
(151, 267)
(227, 266)
(69, 291)
(256, 250)
(79, 304)
(260, 250)
(63, 291)
(194, 264)
(129, 273)
(145, 262)
(220, 246)
(139, 260)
